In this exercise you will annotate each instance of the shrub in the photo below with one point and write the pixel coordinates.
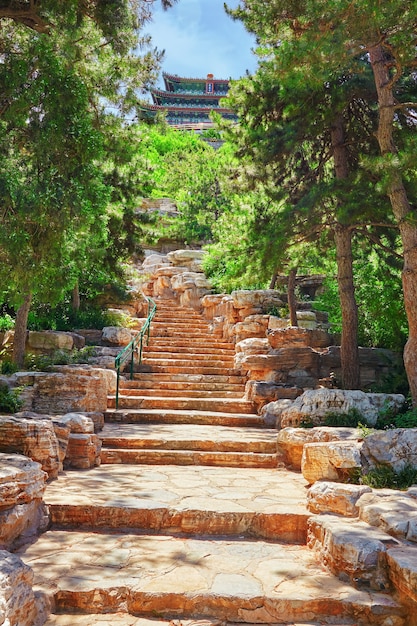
(6, 322)
(10, 401)
(351, 419)
(7, 367)
(44, 362)
(385, 477)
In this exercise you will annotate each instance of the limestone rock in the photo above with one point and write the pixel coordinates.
(259, 299)
(191, 258)
(17, 600)
(264, 392)
(351, 550)
(21, 480)
(78, 423)
(272, 411)
(290, 337)
(116, 336)
(394, 512)
(49, 340)
(59, 393)
(252, 326)
(402, 562)
(339, 498)
(62, 433)
(332, 460)
(293, 440)
(314, 404)
(395, 448)
(34, 438)
(307, 320)
(83, 451)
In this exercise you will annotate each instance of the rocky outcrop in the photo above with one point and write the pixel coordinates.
(291, 441)
(84, 446)
(70, 391)
(34, 438)
(22, 511)
(18, 603)
(338, 498)
(395, 448)
(313, 405)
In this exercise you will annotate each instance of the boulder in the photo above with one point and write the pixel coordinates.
(49, 340)
(190, 258)
(293, 440)
(83, 451)
(78, 423)
(338, 498)
(260, 299)
(60, 393)
(23, 514)
(332, 460)
(313, 405)
(402, 563)
(272, 411)
(34, 438)
(395, 448)
(307, 320)
(18, 604)
(252, 326)
(351, 550)
(394, 512)
(116, 336)
(264, 392)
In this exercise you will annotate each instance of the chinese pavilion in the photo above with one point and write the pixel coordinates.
(189, 101)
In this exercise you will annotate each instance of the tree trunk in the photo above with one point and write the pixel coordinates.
(76, 297)
(292, 303)
(349, 353)
(273, 279)
(20, 331)
(401, 208)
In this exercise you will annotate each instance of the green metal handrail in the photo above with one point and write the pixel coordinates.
(129, 351)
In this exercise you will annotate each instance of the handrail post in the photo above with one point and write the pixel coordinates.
(117, 387)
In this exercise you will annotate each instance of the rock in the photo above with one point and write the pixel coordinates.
(191, 258)
(116, 336)
(293, 440)
(394, 512)
(256, 298)
(402, 563)
(18, 605)
(62, 433)
(271, 413)
(21, 480)
(83, 451)
(313, 405)
(264, 392)
(60, 393)
(290, 337)
(307, 320)
(329, 497)
(78, 340)
(49, 340)
(332, 460)
(252, 326)
(351, 550)
(34, 438)
(78, 423)
(98, 420)
(395, 448)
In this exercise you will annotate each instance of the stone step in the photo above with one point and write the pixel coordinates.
(168, 384)
(171, 416)
(225, 405)
(177, 500)
(203, 349)
(181, 392)
(200, 369)
(123, 619)
(187, 457)
(181, 377)
(189, 437)
(190, 357)
(186, 341)
(165, 576)
(180, 322)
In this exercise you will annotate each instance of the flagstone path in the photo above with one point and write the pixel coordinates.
(190, 520)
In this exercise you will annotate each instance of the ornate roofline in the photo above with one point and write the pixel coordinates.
(182, 79)
(159, 107)
(175, 94)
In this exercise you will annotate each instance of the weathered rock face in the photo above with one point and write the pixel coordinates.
(49, 340)
(261, 393)
(78, 423)
(339, 498)
(18, 604)
(192, 259)
(351, 550)
(394, 512)
(83, 451)
(292, 440)
(70, 392)
(313, 405)
(116, 336)
(402, 563)
(395, 448)
(333, 460)
(22, 511)
(34, 438)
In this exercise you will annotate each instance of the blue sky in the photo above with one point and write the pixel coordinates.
(200, 38)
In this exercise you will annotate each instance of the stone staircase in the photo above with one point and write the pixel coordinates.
(190, 518)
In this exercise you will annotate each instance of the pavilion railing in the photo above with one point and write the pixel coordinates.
(136, 345)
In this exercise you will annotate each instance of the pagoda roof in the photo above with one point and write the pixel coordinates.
(180, 79)
(173, 94)
(205, 110)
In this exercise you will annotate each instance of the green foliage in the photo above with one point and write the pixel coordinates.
(46, 362)
(6, 322)
(389, 418)
(385, 477)
(10, 401)
(62, 317)
(7, 367)
(350, 419)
